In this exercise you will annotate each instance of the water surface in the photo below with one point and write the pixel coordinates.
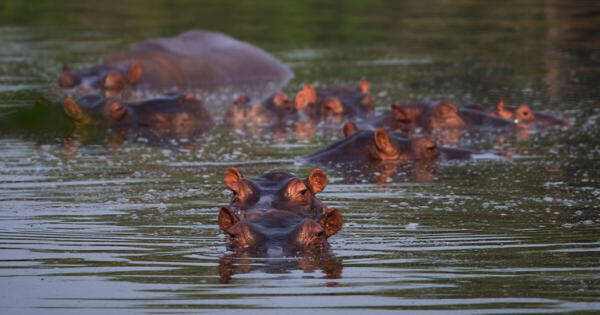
(89, 227)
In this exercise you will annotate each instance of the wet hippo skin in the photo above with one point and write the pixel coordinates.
(277, 213)
(193, 60)
(172, 114)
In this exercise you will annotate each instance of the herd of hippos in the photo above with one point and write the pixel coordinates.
(277, 213)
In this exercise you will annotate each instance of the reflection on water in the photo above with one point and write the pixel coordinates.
(88, 224)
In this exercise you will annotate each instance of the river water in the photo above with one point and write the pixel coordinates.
(87, 226)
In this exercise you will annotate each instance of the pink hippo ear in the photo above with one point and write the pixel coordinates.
(73, 110)
(382, 142)
(331, 221)
(306, 96)
(233, 177)
(363, 86)
(350, 128)
(317, 181)
(114, 81)
(136, 70)
(226, 219)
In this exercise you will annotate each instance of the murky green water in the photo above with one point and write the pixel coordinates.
(86, 227)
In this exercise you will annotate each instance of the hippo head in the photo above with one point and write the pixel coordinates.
(86, 109)
(424, 149)
(279, 232)
(276, 190)
(405, 116)
(521, 114)
(105, 78)
(444, 115)
(245, 113)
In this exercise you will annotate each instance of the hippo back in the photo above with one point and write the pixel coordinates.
(202, 60)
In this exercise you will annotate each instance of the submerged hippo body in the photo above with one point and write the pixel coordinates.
(277, 213)
(194, 60)
(171, 115)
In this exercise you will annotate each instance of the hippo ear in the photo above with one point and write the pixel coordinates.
(72, 109)
(301, 100)
(227, 219)
(317, 181)
(350, 129)
(114, 81)
(500, 104)
(363, 86)
(136, 70)
(233, 178)
(331, 221)
(382, 141)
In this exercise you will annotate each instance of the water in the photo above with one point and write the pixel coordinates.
(87, 226)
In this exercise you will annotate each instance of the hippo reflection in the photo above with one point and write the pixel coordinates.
(193, 60)
(171, 115)
(310, 262)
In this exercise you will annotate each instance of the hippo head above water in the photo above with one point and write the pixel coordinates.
(104, 77)
(274, 110)
(277, 212)
(336, 103)
(279, 232)
(276, 190)
(172, 114)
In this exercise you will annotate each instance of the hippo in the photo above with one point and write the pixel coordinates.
(279, 232)
(275, 110)
(277, 213)
(366, 152)
(276, 191)
(336, 103)
(170, 115)
(368, 146)
(523, 115)
(194, 60)
(384, 154)
(443, 121)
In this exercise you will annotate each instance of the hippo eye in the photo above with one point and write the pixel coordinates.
(303, 192)
(231, 235)
(320, 234)
(431, 148)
